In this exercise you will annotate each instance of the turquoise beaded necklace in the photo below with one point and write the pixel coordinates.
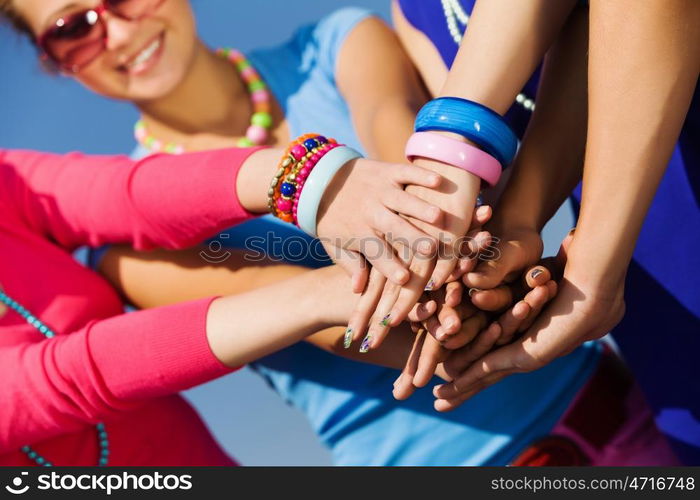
(48, 333)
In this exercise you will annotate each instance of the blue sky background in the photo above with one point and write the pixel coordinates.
(53, 113)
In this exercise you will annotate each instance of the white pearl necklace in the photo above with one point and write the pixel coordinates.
(454, 14)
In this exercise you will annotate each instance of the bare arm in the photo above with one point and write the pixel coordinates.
(421, 50)
(383, 91)
(240, 331)
(505, 42)
(548, 165)
(162, 278)
(550, 160)
(637, 110)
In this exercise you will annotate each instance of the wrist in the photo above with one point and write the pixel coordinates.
(472, 121)
(456, 152)
(462, 178)
(521, 206)
(334, 187)
(505, 219)
(515, 212)
(490, 147)
(254, 177)
(330, 298)
(593, 271)
(456, 196)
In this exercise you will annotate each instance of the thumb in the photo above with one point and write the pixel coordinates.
(562, 255)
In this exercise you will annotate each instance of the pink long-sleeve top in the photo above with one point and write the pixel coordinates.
(121, 369)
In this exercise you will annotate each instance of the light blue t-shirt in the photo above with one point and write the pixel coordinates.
(349, 404)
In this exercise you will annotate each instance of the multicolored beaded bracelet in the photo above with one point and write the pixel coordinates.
(286, 164)
(299, 159)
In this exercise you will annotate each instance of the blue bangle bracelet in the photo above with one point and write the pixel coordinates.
(471, 120)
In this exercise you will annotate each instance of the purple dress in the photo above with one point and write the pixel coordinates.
(659, 336)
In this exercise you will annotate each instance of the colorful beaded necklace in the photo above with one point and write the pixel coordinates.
(102, 437)
(455, 16)
(260, 121)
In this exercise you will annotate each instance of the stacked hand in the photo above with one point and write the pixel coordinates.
(511, 334)
(385, 304)
(580, 312)
(373, 193)
(468, 326)
(505, 293)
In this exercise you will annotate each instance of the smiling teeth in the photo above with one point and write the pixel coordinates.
(145, 54)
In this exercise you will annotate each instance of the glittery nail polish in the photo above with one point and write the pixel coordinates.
(534, 274)
(347, 341)
(430, 285)
(385, 320)
(364, 347)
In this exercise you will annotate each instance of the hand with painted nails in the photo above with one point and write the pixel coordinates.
(580, 312)
(523, 301)
(528, 296)
(373, 193)
(576, 315)
(384, 304)
(535, 288)
(514, 249)
(524, 298)
(463, 331)
(451, 326)
(456, 196)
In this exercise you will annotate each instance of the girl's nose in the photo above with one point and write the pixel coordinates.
(119, 31)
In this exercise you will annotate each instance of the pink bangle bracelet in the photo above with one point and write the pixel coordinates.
(456, 153)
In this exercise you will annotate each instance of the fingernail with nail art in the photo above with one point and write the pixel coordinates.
(364, 347)
(385, 320)
(429, 287)
(347, 341)
(534, 274)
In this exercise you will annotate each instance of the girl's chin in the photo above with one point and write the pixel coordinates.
(150, 89)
